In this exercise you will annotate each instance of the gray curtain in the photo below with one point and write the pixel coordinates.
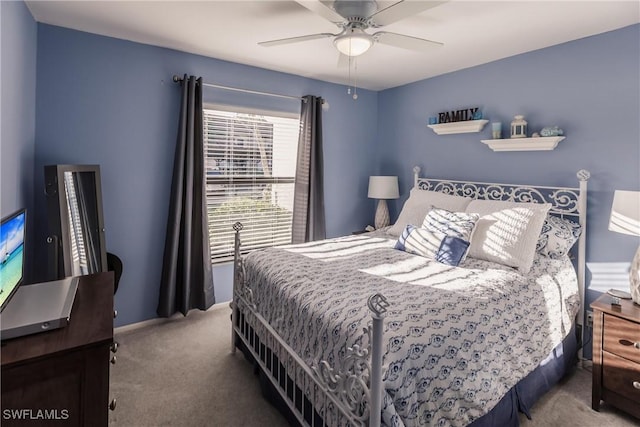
(187, 280)
(308, 202)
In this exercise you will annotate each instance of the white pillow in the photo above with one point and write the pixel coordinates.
(420, 202)
(507, 232)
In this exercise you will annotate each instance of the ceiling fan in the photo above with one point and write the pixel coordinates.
(356, 16)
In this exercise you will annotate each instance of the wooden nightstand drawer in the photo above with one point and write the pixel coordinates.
(622, 337)
(616, 367)
(621, 376)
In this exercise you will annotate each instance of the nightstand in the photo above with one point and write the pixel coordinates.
(616, 355)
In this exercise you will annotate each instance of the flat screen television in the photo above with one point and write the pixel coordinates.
(12, 237)
(76, 222)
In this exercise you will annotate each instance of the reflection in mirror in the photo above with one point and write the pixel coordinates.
(76, 225)
(84, 231)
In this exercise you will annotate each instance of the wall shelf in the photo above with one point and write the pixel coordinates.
(524, 144)
(468, 126)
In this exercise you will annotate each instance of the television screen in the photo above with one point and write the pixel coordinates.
(12, 233)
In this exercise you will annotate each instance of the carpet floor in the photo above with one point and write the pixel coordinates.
(181, 372)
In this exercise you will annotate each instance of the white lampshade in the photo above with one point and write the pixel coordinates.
(625, 213)
(354, 43)
(383, 187)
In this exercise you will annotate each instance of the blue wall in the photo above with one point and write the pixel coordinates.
(589, 87)
(18, 32)
(112, 102)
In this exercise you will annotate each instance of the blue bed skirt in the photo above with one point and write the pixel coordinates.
(520, 398)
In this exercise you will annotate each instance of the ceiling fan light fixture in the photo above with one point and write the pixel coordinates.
(354, 43)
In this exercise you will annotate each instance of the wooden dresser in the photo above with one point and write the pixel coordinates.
(616, 355)
(61, 377)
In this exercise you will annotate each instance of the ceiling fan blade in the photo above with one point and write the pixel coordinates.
(289, 40)
(319, 8)
(404, 41)
(402, 9)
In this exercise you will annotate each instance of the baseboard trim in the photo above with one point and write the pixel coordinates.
(158, 320)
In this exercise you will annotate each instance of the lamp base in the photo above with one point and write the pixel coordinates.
(382, 214)
(634, 278)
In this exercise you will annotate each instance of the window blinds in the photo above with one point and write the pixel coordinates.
(250, 163)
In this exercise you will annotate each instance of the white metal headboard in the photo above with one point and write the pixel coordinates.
(565, 201)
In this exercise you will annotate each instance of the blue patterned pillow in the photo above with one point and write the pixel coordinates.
(557, 237)
(444, 236)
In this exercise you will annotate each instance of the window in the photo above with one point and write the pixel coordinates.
(250, 164)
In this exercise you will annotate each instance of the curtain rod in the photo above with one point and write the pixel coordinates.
(255, 92)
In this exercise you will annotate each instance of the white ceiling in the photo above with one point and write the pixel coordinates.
(473, 32)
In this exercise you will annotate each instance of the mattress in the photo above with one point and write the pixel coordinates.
(456, 339)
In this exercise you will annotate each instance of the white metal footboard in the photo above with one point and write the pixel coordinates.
(317, 395)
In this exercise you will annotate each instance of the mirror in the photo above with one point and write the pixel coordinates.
(76, 222)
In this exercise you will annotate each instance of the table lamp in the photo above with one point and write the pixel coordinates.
(625, 218)
(383, 188)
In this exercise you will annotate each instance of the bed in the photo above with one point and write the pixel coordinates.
(376, 329)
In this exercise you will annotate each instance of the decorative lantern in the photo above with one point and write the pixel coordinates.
(518, 127)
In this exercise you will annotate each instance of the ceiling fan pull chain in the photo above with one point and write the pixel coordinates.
(355, 85)
(349, 87)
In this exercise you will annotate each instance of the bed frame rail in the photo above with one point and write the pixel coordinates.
(316, 395)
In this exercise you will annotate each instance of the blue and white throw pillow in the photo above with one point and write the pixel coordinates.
(457, 224)
(557, 237)
(444, 236)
